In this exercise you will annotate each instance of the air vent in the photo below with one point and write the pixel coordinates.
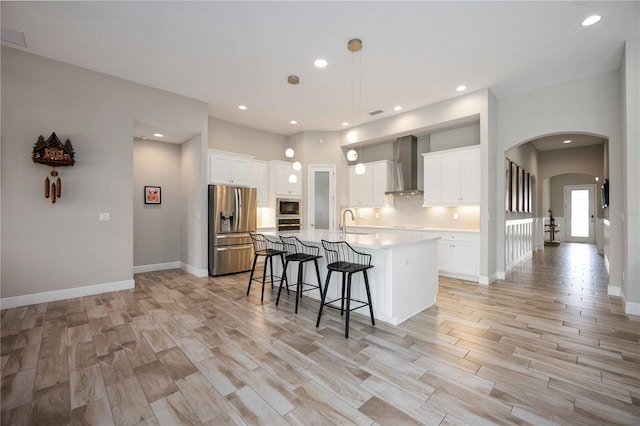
(376, 112)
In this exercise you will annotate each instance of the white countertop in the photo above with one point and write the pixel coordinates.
(373, 240)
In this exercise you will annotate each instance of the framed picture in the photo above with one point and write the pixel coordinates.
(514, 187)
(152, 195)
(520, 189)
(527, 192)
(530, 194)
(507, 184)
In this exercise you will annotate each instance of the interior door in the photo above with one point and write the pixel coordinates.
(321, 197)
(579, 211)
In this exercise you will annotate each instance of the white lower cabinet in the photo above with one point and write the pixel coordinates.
(458, 254)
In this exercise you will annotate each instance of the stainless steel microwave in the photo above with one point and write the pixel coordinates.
(287, 208)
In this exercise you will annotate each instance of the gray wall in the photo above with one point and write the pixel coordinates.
(156, 227)
(53, 247)
(227, 136)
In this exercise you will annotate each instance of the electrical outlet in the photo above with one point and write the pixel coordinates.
(377, 215)
(361, 215)
(455, 216)
(104, 217)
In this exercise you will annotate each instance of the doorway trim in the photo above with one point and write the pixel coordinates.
(592, 211)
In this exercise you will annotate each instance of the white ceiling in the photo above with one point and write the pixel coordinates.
(414, 54)
(551, 143)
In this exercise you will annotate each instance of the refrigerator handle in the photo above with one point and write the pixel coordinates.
(238, 208)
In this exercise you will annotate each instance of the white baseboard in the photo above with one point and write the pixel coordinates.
(156, 267)
(200, 273)
(501, 275)
(632, 308)
(614, 291)
(459, 276)
(487, 280)
(67, 293)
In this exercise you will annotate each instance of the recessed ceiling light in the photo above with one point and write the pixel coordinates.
(567, 141)
(461, 88)
(345, 124)
(593, 19)
(242, 107)
(293, 122)
(158, 135)
(397, 108)
(320, 63)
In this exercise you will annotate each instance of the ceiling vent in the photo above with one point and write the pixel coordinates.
(376, 112)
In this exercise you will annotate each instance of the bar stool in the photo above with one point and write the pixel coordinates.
(262, 246)
(341, 257)
(299, 252)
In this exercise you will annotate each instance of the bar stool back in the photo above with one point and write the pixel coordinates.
(299, 252)
(341, 257)
(262, 246)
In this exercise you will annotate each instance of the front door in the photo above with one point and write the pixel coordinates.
(579, 208)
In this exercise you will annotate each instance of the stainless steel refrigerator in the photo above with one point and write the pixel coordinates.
(232, 215)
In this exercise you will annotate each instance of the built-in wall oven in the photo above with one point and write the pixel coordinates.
(288, 214)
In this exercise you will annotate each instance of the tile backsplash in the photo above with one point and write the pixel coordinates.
(408, 211)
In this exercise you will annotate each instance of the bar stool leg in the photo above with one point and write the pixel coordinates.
(346, 327)
(271, 267)
(366, 286)
(264, 276)
(280, 291)
(299, 284)
(344, 277)
(284, 272)
(324, 296)
(253, 269)
(315, 261)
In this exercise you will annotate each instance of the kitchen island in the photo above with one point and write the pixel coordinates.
(403, 281)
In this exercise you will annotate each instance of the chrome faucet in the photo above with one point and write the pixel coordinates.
(343, 228)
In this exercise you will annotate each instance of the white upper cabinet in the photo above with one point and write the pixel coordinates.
(281, 185)
(260, 181)
(368, 190)
(452, 177)
(226, 168)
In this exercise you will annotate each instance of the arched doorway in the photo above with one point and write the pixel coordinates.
(549, 159)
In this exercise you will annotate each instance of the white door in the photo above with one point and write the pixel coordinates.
(321, 196)
(579, 211)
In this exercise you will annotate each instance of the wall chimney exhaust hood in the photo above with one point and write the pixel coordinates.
(405, 160)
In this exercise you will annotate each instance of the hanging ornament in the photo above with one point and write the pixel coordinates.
(53, 153)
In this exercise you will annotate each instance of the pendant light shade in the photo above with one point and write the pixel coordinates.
(289, 153)
(360, 169)
(293, 178)
(352, 136)
(352, 155)
(297, 166)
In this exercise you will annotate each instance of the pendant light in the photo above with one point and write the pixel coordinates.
(355, 46)
(293, 80)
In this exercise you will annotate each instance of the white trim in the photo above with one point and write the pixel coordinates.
(200, 273)
(632, 308)
(501, 275)
(156, 267)
(67, 293)
(614, 291)
(465, 277)
(487, 280)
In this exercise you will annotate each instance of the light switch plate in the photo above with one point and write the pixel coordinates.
(104, 217)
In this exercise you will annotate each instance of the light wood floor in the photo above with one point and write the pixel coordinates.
(545, 346)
